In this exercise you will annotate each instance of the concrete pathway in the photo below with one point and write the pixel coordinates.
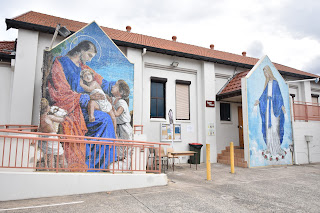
(273, 189)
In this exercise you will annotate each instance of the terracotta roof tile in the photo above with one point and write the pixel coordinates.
(51, 21)
(6, 47)
(235, 83)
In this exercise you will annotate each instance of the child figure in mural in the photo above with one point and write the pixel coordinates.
(120, 103)
(88, 83)
(47, 125)
(272, 112)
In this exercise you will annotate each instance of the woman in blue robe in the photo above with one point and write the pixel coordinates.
(272, 116)
(65, 92)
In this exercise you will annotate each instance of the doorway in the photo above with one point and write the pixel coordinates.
(240, 127)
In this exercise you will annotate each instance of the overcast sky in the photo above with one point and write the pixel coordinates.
(288, 31)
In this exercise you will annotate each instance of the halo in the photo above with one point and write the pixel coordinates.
(91, 38)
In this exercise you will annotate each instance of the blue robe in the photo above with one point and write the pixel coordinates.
(97, 156)
(277, 103)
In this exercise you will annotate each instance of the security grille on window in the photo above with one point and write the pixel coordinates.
(183, 100)
(158, 97)
(225, 112)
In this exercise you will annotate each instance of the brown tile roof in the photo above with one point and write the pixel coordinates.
(234, 84)
(6, 47)
(166, 46)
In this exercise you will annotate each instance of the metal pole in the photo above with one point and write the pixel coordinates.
(231, 157)
(54, 35)
(208, 162)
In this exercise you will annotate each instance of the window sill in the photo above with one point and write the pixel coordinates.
(158, 120)
(182, 121)
(226, 122)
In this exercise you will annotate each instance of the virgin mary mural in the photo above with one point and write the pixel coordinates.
(269, 122)
(88, 76)
(272, 112)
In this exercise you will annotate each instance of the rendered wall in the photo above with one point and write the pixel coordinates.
(26, 185)
(300, 129)
(6, 75)
(227, 131)
(24, 77)
(158, 65)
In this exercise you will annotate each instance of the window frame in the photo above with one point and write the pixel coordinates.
(163, 81)
(230, 120)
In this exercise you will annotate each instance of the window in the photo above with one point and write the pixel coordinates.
(158, 98)
(315, 105)
(225, 112)
(314, 99)
(183, 100)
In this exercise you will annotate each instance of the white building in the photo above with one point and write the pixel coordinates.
(188, 74)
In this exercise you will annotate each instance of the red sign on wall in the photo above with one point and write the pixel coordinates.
(210, 103)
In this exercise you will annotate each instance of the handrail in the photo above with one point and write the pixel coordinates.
(306, 111)
(83, 137)
(35, 150)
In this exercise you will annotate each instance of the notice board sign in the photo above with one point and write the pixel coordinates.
(165, 132)
(210, 103)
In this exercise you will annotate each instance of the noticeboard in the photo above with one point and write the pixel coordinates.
(165, 132)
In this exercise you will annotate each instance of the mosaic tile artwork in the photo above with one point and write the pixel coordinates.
(269, 121)
(89, 81)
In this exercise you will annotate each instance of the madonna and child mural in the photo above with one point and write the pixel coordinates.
(269, 121)
(87, 90)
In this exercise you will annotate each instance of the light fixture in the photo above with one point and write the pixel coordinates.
(175, 64)
(62, 31)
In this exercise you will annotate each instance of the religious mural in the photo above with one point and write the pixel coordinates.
(88, 90)
(269, 121)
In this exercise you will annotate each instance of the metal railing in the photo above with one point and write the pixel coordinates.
(306, 111)
(22, 149)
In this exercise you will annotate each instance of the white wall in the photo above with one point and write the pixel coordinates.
(300, 129)
(158, 65)
(227, 131)
(6, 74)
(24, 77)
(26, 185)
(208, 70)
(43, 42)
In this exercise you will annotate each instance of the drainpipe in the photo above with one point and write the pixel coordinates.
(292, 147)
(144, 51)
(308, 139)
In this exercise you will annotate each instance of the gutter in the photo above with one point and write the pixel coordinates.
(6, 57)
(228, 95)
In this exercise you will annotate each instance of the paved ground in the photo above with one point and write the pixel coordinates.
(273, 189)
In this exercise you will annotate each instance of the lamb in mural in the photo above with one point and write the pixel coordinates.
(50, 118)
(120, 103)
(272, 113)
(91, 86)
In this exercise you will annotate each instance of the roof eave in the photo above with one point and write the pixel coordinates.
(35, 27)
(228, 95)
(7, 56)
(181, 54)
